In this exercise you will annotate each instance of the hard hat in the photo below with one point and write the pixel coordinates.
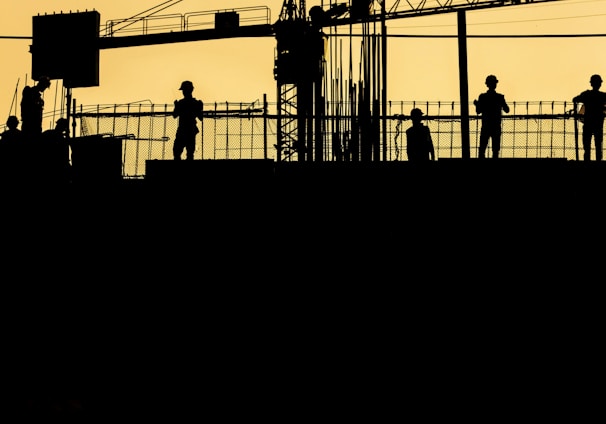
(12, 120)
(491, 78)
(62, 122)
(416, 112)
(186, 85)
(595, 77)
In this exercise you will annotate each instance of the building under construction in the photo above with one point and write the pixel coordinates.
(300, 264)
(324, 116)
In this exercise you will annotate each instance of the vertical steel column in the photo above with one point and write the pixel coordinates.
(68, 101)
(463, 83)
(265, 107)
(384, 79)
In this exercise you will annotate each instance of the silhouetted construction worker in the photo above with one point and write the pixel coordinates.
(187, 110)
(594, 102)
(59, 133)
(12, 148)
(32, 107)
(12, 133)
(419, 145)
(53, 150)
(490, 105)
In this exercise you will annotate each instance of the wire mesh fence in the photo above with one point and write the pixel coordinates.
(228, 131)
(249, 131)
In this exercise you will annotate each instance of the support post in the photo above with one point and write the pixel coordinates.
(384, 79)
(463, 83)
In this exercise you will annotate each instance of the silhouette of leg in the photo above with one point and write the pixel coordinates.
(496, 145)
(586, 144)
(483, 145)
(190, 148)
(189, 154)
(598, 137)
(177, 150)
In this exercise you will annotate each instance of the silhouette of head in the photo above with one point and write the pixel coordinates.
(62, 124)
(416, 113)
(491, 81)
(187, 86)
(595, 80)
(44, 82)
(12, 122)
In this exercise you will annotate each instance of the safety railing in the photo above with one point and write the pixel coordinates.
(158, 24)
(249, 131)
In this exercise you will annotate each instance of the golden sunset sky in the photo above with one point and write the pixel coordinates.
(241, 69)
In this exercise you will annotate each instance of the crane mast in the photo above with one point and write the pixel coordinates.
(291, 12)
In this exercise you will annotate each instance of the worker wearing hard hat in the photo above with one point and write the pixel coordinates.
(490, 105)
(32, 108)
(187, 110)
(419, 145)
(594, 105)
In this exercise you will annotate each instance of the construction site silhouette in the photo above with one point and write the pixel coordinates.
(299, 266)
(305, 163)
(305, 124)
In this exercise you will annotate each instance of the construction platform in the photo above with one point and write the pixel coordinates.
(445, 177)
(472, 180)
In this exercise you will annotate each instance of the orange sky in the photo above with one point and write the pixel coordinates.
(241, 70)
